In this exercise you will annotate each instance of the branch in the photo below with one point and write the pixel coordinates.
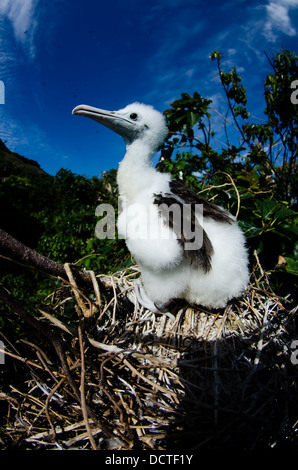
(41, 263)
(230, 106)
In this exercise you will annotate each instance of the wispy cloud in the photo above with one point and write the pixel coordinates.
(17, 25)
(278, 19)
(29, 139)
(23, 20)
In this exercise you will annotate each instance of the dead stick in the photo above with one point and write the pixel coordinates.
(40, 262)
(58, 345)
(82, 390)
(87, 312)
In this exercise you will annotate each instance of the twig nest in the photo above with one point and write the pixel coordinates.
(208, 379)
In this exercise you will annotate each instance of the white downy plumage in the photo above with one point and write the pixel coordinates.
(210, 273)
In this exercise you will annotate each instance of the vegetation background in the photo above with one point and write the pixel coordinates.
(253, 174)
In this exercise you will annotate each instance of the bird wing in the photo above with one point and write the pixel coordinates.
(191, 197)
(186, 220)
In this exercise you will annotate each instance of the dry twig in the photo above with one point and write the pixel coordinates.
(139, 381)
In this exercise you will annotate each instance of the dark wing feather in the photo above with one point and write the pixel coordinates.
(191, 197)
(187, 227)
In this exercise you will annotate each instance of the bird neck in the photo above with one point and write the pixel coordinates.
(135, 171)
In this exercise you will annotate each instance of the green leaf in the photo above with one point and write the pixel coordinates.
(296, 251)
(292, 266)
(267, 208)
(283, 213)
(249, 229)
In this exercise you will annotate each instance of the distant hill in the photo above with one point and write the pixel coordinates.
(24, 192)
(12, 163)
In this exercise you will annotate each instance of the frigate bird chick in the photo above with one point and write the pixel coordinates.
(205, 264)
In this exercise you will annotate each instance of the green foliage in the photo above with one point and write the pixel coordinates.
(234, 90)
(280, 133)
(56, 216)
(292, 262)
(69, 224)
(201, 160)
(263, 167)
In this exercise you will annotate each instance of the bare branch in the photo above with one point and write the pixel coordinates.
(27, 255)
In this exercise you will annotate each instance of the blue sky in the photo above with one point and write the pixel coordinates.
(60, 53)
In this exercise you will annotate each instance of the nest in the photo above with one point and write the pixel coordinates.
(102, 372)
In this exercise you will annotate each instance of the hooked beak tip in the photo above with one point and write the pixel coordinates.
(76, 110)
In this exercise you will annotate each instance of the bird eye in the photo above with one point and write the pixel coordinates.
(133, 116)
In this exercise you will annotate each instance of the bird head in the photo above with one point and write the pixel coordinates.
(135, 122)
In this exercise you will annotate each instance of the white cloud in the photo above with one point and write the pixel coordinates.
(21, 15)
(278, 19)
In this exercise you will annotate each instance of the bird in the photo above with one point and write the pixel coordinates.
(186, 247)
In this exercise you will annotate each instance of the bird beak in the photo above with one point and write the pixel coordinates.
(110, 119)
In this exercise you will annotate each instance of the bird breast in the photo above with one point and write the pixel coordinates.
(150, 241)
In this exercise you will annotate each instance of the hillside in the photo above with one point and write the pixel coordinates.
(12, 163)
(23, 188)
